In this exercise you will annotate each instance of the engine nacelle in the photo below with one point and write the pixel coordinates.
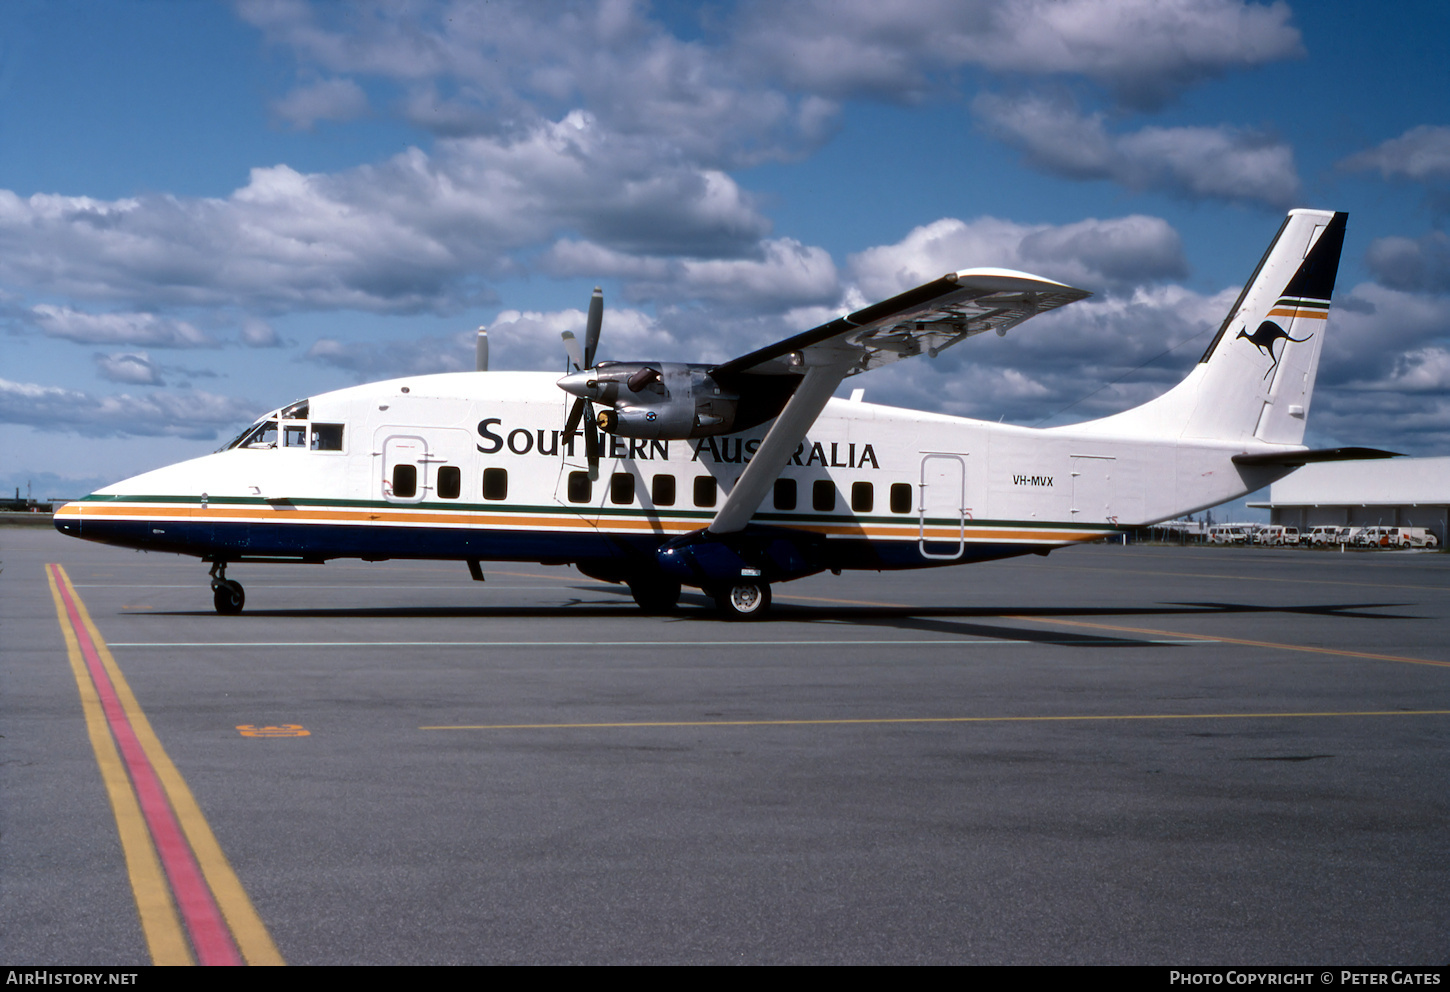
(658, 400)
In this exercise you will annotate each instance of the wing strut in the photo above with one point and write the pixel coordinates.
(780, 442)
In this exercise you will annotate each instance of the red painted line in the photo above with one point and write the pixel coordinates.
(199, 912)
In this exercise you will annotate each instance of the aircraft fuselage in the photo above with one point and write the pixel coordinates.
(476, 466)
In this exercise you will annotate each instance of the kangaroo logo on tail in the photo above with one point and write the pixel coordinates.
(1264, 338)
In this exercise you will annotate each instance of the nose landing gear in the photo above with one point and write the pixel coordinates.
(743, 600)
(227, 594)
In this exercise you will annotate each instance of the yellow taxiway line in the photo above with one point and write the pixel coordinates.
(192, 906)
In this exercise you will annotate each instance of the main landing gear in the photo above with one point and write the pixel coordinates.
(655, 593)
(227, 594)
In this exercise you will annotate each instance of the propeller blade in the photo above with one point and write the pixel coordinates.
(571, 348)
(591, 446)
(591, 330)
(575, 412)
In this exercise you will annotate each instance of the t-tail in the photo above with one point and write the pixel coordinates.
(1254, 381)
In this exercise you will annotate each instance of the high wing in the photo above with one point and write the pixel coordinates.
(927, 319)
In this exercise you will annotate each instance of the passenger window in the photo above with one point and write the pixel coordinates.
(862, 498)
(450, 482)
(662, 490)
(823, 495)
(495, 483)
(405, 481)
(785, 496)
(705, 490)
(294, 435)
(580, 487)
(621, 488)
(326, 437)
(901, 497)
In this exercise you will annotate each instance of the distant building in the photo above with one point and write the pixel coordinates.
(1392, 492)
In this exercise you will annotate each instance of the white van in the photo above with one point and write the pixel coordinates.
(1277, 535)
(1232, 533)
(1407, 537)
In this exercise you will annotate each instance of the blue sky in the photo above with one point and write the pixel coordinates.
(210, 209)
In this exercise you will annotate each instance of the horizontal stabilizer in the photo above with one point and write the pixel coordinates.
(1297, 458)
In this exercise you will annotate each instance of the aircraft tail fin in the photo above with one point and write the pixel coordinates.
(1255, 379)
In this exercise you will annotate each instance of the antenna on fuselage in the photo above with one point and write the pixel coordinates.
(480, 350)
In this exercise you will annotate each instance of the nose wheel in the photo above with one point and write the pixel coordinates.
(743, 600)
(226, 594)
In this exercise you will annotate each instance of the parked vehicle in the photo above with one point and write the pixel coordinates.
(1323, 535)
(1231, 533)
(1277, 535)
(1368, 537)
(1408, 537)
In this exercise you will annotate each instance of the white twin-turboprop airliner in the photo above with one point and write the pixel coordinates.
(732, 477)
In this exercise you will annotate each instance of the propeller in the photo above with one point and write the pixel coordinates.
(581, 360)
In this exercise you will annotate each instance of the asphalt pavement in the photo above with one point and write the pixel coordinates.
(1111, 755)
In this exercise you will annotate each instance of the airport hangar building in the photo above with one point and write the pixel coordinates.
(1390, 492)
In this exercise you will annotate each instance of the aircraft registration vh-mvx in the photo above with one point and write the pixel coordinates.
(735, 476)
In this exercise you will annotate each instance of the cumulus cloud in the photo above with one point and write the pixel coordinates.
(1372, 329)
(1383, 419)
(1421, 370)
(117, 328)
(519, 340)
(784, 274)
(1421, 154)
(408, 234)
(467, 68)
(259, 334)
(130, 367)
(1221, 163)
(1144, 51)
(762, 80)
(187, 414)
(1114, 254)
(370, 360)
(324, 100)
(1402, 263)
(531, 339)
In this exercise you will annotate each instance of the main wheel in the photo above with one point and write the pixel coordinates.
(743, 601)
(229, 597)
(655, 594)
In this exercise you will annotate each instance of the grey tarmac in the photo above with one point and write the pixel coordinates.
(1112, 755)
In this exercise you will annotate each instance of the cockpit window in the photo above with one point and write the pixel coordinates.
(236, 441)
(297, 411)
(263, 435)
(326, 437)
(294, 435)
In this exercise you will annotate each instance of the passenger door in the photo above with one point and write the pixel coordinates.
(942, 511)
